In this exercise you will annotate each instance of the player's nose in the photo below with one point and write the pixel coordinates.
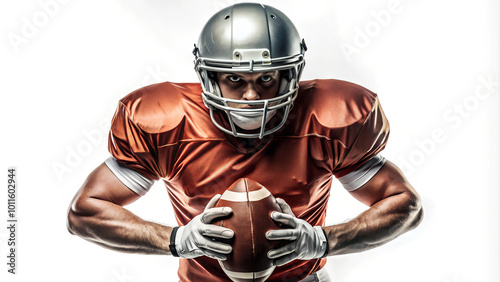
(251, 94)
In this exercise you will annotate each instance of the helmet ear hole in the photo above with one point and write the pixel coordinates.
(212, 75)
(289, 75)
(213, 83)
(285, 80)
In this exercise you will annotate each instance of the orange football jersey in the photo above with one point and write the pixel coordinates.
(164, 131)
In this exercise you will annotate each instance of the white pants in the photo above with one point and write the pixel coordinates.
(318, 276)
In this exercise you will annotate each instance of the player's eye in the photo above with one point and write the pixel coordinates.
(234, 78)
(266, 78)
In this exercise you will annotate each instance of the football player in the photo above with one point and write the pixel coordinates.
(250, 116)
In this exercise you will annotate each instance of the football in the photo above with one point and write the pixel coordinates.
(252, 205)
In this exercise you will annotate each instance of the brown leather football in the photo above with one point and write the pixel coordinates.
(252, 205)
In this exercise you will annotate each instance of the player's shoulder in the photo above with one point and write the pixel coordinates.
(159, 107)
(335, 102)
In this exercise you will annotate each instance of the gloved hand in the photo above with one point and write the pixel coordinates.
(307, 242)
(197, 237)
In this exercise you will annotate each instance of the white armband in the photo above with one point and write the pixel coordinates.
(363, 174)
(129, 177)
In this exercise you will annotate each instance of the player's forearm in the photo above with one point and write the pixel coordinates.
(376, 226)
(112, 226)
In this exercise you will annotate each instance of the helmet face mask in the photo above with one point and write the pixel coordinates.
(249, 38)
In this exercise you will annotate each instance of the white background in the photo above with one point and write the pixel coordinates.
(65, 64)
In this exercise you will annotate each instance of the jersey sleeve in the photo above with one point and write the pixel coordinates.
(361, 160)
(134, 156)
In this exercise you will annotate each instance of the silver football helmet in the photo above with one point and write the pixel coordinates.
(249, 37)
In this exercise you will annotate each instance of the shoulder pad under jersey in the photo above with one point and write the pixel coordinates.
(335, 103)
(156, 108)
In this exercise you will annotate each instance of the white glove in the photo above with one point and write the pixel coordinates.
(197, 237)
(307, 242)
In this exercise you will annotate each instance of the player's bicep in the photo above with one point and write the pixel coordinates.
(386, 182)
(102, 185)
